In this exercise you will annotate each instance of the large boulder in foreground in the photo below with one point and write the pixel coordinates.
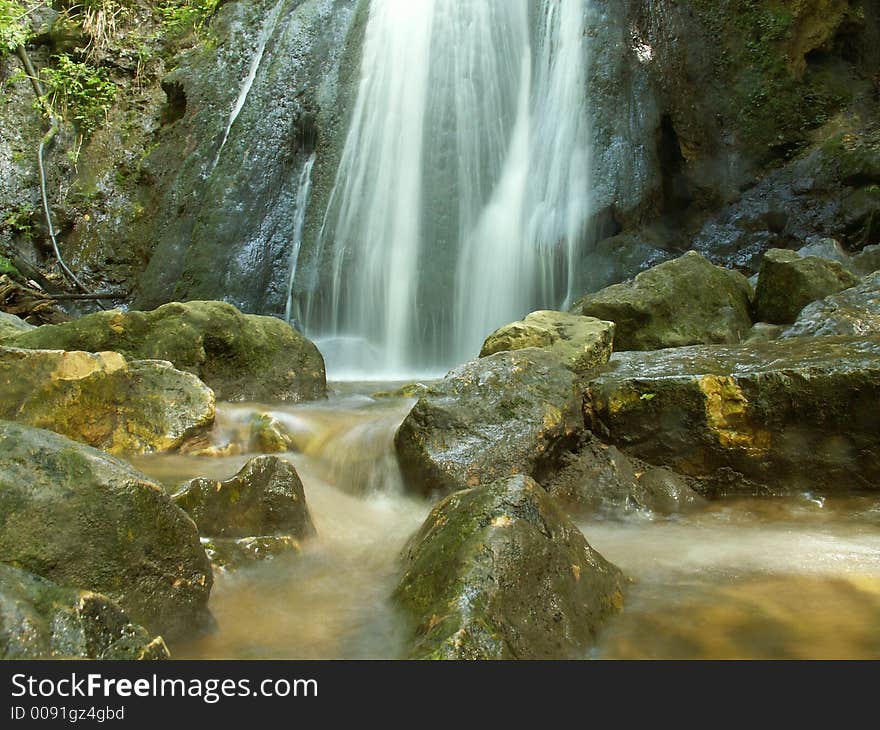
(790, 414)
(581, 343)
(788, 282)
(242, 357)
(687, 301)
(104, 401)
(41, 620)
(510, 413)
(600, 476)
(500, 572)
(81, 518)
(265, 498)
(855, 311)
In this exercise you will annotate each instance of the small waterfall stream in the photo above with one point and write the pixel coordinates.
(462, 194)
(303, 191)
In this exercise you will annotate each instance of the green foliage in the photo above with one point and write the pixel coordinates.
(20, 221)
(78, 91)
(181, 17)
(14, 28)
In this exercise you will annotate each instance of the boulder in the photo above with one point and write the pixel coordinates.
(242, 357)
(12, 326)
(791, 414)
(512, 412)
(788, 282)
(104, 401)
(867, 261)
(581, 343)
(266, 497)
(79, 517)
(686, 301)
(854, 311)
(42, 620)
(499, 572)
(600, 476)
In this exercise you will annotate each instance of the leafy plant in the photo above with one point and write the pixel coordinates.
(183, 16)
(14, 28)
(20, 221)
(78, 91)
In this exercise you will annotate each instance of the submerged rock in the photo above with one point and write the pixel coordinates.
(268, 435)
(41, 620)
(687, 301)
(581, 343)
(104, 401)
(512, 412)
(790, 414)
(601, 476)
(500, 572)
(233, 553)
(240, 356)
(855, 311)
(788, 282)
(264, 498)
(79, 517)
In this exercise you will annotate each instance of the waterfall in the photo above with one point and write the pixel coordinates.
(462, 194)
(303, 192)
(265, 34)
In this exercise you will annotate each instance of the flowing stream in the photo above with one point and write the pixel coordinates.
(797, 577)
(462, 196)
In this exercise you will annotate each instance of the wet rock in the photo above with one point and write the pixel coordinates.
(233, 553)
(789, 415)
(268, 435)
(581, 343)
(624, 256)
(241, 357)
(41, 620)
(788, 282)
(855, 311)
(79, 517)
(500, 572)
(868, 260)
(512, 412)
(11, 326)
(600, 476)
(104, 401)
(264, 498)
(764, 332)
(682, 302)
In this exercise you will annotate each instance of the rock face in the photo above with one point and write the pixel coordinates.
(233, 553)
(500, 572)
(12, 326)
(513, 412)
(79, 517)
(784, 415)
(41, 620)
(788, 282)
(687, 301)
(264, 498)
(855, 311)
(600, 476)
(581, 343)
(104, 401)
(241, 357)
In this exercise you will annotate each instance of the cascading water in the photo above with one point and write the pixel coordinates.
(303, 191)
(462, 193)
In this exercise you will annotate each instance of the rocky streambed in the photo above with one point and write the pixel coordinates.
(563, 495)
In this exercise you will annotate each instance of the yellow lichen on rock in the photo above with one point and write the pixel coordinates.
(727, 414)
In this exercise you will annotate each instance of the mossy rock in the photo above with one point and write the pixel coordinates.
(268, 435)
(499, 572)
(854, 311)
(104, 401)
(42, 620)
(687, 301)
(79, 517)
(232, 553)
(12, 326)
(265, 497)
(788, 282)
(581, 343)
(512, 412)
(241, 357)
(788, 415)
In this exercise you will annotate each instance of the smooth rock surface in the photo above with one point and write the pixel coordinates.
(855, 311)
